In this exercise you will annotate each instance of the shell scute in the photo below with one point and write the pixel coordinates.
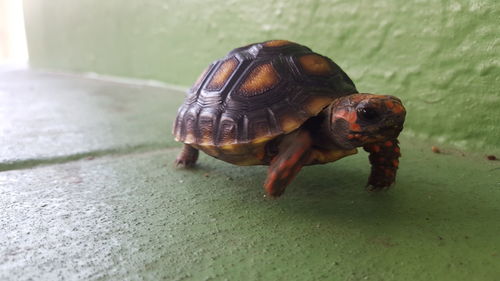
(315, 64)
(260, 80)
(226, 131)
(222, 74)
(206, 125)
(277, 43)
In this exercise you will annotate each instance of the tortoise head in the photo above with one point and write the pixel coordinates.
(360, 119)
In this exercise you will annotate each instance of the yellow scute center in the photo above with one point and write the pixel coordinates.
(222, 74)
(277, 43)
(260, 79)
(315, 64)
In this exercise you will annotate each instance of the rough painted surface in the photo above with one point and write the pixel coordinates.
(440, 57)
(135, 217)
(132, 216)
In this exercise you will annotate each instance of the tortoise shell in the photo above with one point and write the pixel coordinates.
(255, 94)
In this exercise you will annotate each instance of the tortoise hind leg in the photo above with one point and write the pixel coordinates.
(294, 153)
(187, 158)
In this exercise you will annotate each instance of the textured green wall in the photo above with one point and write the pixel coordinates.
(440, 57)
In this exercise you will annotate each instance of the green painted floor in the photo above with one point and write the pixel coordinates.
(88, 192)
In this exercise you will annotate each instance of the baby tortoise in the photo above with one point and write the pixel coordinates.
(278, 103)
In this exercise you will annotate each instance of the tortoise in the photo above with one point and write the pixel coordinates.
(280, 104)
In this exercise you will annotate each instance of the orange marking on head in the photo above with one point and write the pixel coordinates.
(315, 64)
(395, 163)
(350, 136)
(276, 43)
(389, 104)
(261, 79)
(375, 148)
(341, 114)
(396, 149)
(222, 74)
(349, 116)
(398, 109)
(388, 143)
(355, 127)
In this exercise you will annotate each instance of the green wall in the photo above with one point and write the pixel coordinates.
(440, 57)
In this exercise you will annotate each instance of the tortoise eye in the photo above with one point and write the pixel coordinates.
(368, 114)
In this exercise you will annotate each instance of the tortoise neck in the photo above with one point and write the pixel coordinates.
(322, 133)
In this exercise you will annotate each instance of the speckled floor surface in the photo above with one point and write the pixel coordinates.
(88, 192)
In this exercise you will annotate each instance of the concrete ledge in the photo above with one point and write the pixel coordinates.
(47, 116)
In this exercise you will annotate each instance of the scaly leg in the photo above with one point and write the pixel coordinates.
(294, 152)
(384, 159)
(187, 158)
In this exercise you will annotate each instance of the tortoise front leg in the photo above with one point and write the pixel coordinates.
(294, 153)
(384, 160)
(187, 158)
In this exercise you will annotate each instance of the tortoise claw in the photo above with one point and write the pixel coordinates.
(187, 158)
(182, 163)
